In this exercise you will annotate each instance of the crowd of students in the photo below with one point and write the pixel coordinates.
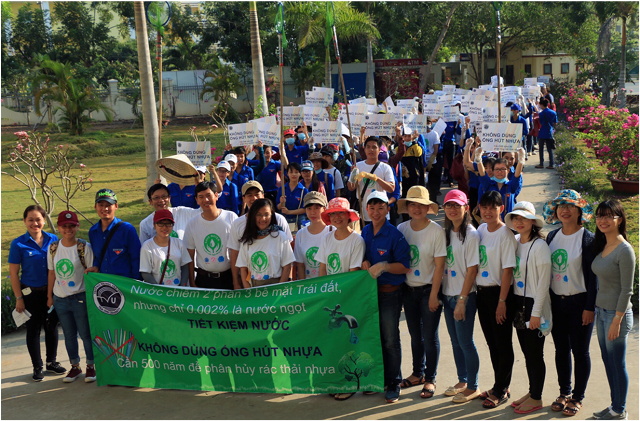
(489, 259)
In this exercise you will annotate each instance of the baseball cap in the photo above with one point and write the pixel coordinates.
(251, 184)
(315, 198)
(68, 217)
(378, 195)
(231, 158)
(306, 166)
(107, 195)
(515, 107)
(290, 132)
(456, 196)
(224, 165)
(163, 215)
(201, 169)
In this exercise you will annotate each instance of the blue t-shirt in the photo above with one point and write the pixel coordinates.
(509, 191)
(267, 178)
(329, 185)
(396, 189)
(185, 197)
(298, 154)
(246, 174)
(522, 121)
(32, 258)
(547, 118)
(229, 198)
(388, 245)
(294, 200)
(123, 255)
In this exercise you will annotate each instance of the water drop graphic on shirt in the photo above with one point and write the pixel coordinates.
(72, 284)
(417, 273)
(266, 277)
(453, 273)
(206, 260)
(221, 259)
(485, 274)
(566, 278)
(520, 284)
(176, 281)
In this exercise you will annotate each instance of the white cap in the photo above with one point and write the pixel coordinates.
(231, 158)
(202, 169)
(380, 195)
(225, 165)
(406, 130)
(526, 210)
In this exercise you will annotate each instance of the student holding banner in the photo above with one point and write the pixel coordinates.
(319, 165)
(296, 153)
(310, 237)
(291, 203)
(265, 256)
(508, 189)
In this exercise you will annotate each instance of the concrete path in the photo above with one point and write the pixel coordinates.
(52, 399)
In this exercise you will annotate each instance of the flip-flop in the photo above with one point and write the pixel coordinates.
(490, 404)
(343, 396)
(528, 411)
(408, 383)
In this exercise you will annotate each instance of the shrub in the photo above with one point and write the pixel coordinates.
(8, 304)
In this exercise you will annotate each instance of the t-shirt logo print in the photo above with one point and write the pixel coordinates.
(516, 270)
(310, 255)
(559, 260)
(414, 255)
(333, 263)
(64, 268)
(450, 258)
(174, 234)
(171, 268)
(212, 244)
(259, 262)
(483, 256)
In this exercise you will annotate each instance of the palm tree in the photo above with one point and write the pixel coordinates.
(624, 10)
(77, 97)
(311, 21)
(307, 76)
(221, 82)
(259, 91)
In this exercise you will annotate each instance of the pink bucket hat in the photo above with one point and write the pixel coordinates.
(339, 204)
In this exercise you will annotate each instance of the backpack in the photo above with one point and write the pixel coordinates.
(53, 248)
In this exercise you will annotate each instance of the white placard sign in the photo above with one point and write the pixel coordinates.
(487, 87)
(406, 103)
(433, 110)
(416, 122)
(389, 103)
(372, 108)
(508, 97)
(356, 115)
(450, 113)
(440, 127)
(371, 101)
(429, 99)
(315, 99)
(510, 89)
(530, 81)
(292, 115)
(327, 93)
(439, 93)
(544, 79)
(399, 112)
(531, 93)
(198, 152)
(501, 137)
(268, 133)
(488, 95)
(379, 125)
(490, 114)
(459, 91)
(361, 100)
(326, 131)
(243, 134)
(494, 81)
(445, 99)
(271, 119)
(311, 114)
(464, 103)
(449, 88)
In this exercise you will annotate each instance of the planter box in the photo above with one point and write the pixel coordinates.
(625, 186)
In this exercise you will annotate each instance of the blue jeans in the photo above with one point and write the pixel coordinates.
(72, 312)
(390, 306)
(548, 143)
(613, 355)
(465, 353)
(423, 328)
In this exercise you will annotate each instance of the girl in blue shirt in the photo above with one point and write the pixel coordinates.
(28, 254)
(291, 204)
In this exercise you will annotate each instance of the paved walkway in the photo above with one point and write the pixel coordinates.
(52, 399)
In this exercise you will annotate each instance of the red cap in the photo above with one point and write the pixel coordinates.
(163, 215)
(456, 196)
(68, 217)
(290, 132)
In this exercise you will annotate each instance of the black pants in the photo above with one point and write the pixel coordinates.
(532, 345)
(225, 281)
(448, 151)
(433, 183)
(569, 336)
(36, 304)
(498, 337)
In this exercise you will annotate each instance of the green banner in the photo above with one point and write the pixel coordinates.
(313, 336)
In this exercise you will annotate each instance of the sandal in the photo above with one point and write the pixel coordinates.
(560, 403)
(408, 383)
(490, 403)
(571, 411)
(428, 393)
(486, 394)
(343, 396)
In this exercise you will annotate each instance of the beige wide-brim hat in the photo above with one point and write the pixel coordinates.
(526, 210)
(177, 169)
(417, 194)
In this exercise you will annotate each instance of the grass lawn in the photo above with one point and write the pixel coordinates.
(117, 160)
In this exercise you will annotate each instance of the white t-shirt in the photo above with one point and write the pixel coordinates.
(425, 246)
(497, 252)
(384, 172)
(460, 257)
(305, 251)
(181, 215)
(337, 179)
(238, 226)
(567, 277)
(538, 273)
(266, 257)
(210, 240)
(431, 139)
(340, 256)
(152, 258)
(68, 269)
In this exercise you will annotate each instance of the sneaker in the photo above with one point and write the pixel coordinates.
(90, 376)
(601, 413)
(392, 394)
(56, 368)
(610, 415)
(73, 374)
(37, 374)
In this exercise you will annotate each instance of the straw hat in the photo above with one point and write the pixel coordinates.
(339, 204)
(317, 156)
(526, 210)
(567, 196)
(417, 194)
(177, 169)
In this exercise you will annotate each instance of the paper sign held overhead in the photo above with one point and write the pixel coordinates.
(490, 114)
(449, 88)
(243, 134)
(379, 125)
(271, 119)
(434, 111)
(429, 99)
(416, 122)
(293, 116)
(311, 114)
(530, 81)
(326, 131)
(268, 133)
(356, 115)
(501, 137)
(315, 99)
(440, 127)
(450, 113)
(198, 152)
(327, 93)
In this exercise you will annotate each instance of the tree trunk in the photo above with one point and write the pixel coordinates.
(371, 87)
(327, 68)
(259, 90)
(445, 27)
(603, 48)
(149, 114)
(622, 94)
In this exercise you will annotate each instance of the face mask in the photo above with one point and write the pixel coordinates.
(408, 144)
(500, 180)
(290, 141)
(335, 156)
(318, 171)
(302, 136)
